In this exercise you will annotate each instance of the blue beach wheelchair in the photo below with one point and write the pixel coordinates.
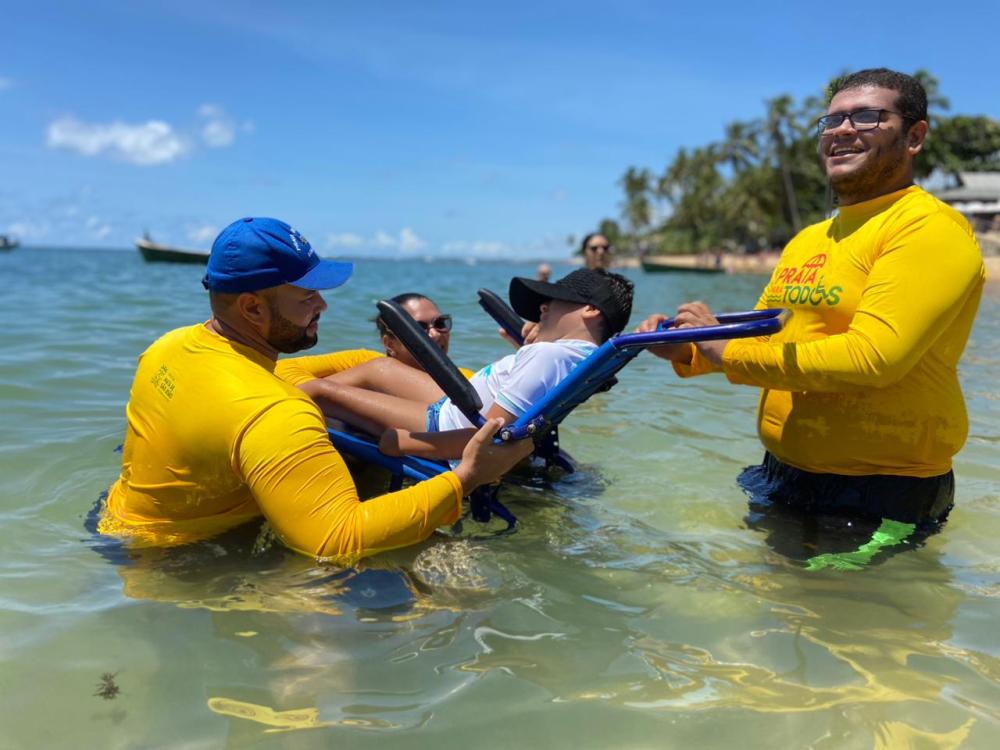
(540, 423)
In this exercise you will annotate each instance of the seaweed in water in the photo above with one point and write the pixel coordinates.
(107, 688)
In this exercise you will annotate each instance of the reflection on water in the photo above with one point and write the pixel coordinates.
(637, 604)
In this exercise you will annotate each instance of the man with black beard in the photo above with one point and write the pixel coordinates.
(861, 410)
(216, 440)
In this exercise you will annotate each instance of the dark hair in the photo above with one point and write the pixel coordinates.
(401, 299)
(911, 99)
(623, 291)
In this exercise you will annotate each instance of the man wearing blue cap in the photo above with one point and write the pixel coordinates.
(215, 439)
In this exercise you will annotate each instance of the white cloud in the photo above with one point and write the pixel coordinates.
(99, 229)
(27, 230)
(405, 241)
(409, 242)
(218, 134)
(203, 235)
(478, 248)
(345, 239)
(6, 83)
(219, 129)
(151, 143)
(211, 111)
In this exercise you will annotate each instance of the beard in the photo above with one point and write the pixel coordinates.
(288, 338)
(882, 164)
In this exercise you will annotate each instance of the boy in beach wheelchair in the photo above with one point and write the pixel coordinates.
(411, 412)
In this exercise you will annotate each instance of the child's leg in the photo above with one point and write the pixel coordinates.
(372, 412)
(389, 376)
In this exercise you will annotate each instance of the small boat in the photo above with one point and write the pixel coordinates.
(7, 242)
(154, 253)
(663, 264)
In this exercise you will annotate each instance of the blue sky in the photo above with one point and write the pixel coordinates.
(419, 128)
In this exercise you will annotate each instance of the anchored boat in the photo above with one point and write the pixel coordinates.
(660, 264)
(155, 253)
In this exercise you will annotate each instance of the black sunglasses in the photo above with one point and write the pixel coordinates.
(598, 247)
(861, 119)
(441, 324)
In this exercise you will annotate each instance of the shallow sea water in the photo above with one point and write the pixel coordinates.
(633, 608)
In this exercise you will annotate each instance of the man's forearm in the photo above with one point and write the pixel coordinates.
(443, 445)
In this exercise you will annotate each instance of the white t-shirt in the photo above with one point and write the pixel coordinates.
(519, 380)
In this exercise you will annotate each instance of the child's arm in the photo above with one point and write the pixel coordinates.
(529, 334)
(443, 445)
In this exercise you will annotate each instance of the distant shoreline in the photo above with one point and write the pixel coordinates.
(758, 264)
(763, 263)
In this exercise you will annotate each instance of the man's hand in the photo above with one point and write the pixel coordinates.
(689, 315)
(697, 315)
(681, 353)
(692, 314)
(485, 463)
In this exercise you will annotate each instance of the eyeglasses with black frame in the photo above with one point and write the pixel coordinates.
(860, 119)
(441, 324)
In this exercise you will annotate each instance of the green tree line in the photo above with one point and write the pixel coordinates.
(762, 182)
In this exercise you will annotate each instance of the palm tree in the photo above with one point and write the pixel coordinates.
(692, 184)
(636, 209)
(935, 100)
(781, 126)
(740, 149)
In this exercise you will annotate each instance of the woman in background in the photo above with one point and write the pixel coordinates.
(428, 316)
(597, 251)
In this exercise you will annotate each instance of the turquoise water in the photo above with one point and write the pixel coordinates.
(634, 608)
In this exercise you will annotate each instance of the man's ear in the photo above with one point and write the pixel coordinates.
(254, 308)
(915, 137)
(589, 311)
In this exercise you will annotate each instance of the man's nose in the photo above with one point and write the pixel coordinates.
(846, 126)
(322, 303)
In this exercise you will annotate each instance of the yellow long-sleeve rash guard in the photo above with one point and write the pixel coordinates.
(863, 379)
(299, 370)
(215, 439)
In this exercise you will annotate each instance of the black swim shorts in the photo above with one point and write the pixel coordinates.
(915, 500)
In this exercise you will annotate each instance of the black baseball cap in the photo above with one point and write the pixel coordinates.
(585, 286)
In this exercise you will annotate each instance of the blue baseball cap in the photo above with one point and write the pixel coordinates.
(257, 253)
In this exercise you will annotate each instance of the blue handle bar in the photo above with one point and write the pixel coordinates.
(731, 326)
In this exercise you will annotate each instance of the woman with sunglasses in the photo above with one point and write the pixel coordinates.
(423, 310)
(597, 251)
